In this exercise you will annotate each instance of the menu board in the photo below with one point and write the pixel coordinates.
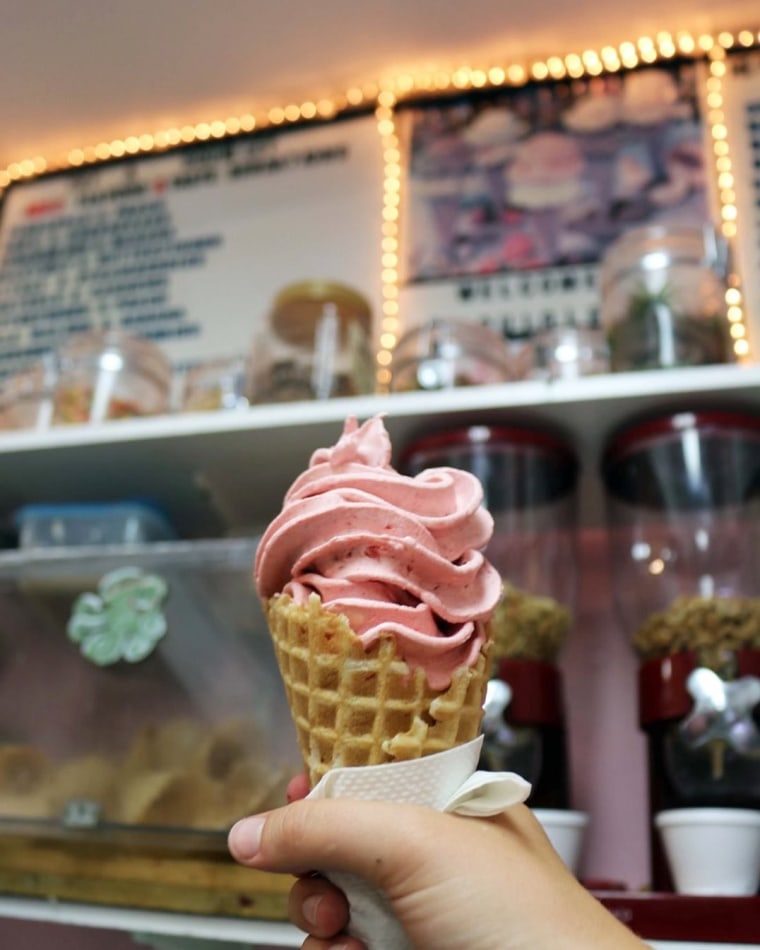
(189, 247)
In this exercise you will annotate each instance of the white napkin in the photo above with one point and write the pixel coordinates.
(446, 781)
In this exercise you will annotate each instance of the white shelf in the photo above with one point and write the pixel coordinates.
(257, 934)
(216, 470)
(254, 933)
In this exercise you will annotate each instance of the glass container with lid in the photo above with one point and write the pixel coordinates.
(529, 481)
(567, 352)
(683, 495)
(663, 305)
(26, 397)
(683, 498)
(217, 384)
(108, 374)
(318, 344)
(442, 354)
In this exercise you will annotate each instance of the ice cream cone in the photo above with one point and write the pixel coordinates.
(354, 706)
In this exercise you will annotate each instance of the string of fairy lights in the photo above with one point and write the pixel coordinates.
(385, 95)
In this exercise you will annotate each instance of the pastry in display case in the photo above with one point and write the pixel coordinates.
(140, 707)
(529, 480)
(684, 514)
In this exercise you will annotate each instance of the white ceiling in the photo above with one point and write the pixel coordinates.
(76, 72)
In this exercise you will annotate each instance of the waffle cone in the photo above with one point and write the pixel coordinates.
(355, 707)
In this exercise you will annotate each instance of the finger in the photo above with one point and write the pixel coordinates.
(298, 787)
(317, 907)
(362, 837)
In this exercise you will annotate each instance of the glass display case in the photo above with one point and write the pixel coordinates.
(139, 695)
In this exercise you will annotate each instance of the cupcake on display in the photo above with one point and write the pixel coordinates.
(545, 177)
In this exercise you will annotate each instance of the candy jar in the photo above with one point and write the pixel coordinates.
(317, 344)
(443, 354)
(26, 396)
(683, 505)
(108, 374)
(529, 481)
(663, 289)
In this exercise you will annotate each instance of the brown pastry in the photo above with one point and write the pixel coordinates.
(172, 799)
(168, 745)
(23, 769)
(89, 778)
(231, 742)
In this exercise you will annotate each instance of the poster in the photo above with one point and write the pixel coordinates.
(189, 248)
(513, 197)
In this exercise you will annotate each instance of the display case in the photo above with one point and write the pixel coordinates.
(141, 713)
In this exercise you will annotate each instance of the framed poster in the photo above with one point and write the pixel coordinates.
(189, 247)
(513, 197)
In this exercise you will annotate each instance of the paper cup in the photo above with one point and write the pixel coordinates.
(566, 830)
(712, 851)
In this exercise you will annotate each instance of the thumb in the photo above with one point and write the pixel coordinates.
(361, 837)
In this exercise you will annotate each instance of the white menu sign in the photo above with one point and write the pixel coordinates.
(190, 247)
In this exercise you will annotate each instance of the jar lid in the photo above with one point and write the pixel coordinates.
(297, 308)
(496, 437)
(686, 461)
(636, 435)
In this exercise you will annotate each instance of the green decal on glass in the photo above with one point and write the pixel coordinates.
(123, 620)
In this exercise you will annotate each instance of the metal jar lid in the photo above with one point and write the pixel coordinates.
(298, 307)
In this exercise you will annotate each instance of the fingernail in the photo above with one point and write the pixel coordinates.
(245, 837)
(310, 909)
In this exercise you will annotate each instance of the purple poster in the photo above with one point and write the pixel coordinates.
(549, 174)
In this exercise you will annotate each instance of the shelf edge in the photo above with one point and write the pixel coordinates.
(251, 932)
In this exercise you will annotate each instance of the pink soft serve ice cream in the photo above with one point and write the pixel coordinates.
(394, 554)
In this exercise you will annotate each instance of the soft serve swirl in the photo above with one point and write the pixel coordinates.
(394, 554)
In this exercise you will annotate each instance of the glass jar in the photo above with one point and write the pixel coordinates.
(107, 374)
(663, 298)
(683, 500)
(683, 496)
(569, 352)
(442, 354)
(26, 397)
(318, 344)
(529, 482)
(215, 385)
